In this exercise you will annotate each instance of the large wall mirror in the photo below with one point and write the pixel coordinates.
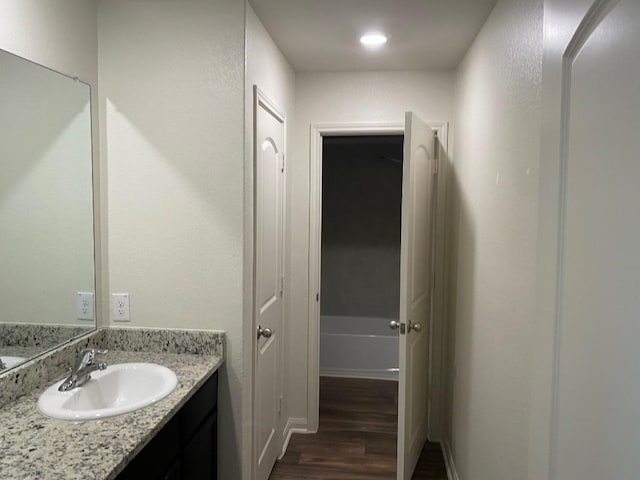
(47, 280)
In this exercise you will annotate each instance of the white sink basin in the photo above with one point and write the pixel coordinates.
(119, 389)
(10, 362)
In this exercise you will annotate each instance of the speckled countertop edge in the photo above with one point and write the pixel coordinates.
(33, 446)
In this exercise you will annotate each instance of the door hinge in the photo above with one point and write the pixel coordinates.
(317, 297)
(282, 285)
(282, 167)
(280, 404)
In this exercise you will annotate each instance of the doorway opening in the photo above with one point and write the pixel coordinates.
(360, 256)
(361, 205)
(360, 214)
(421, 303)
(360, 285)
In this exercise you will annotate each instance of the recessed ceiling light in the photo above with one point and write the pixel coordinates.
(373, 40)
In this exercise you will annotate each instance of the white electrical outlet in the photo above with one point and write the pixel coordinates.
(120, 307)
(84, 306)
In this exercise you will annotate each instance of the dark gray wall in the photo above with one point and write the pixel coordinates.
(361, 208)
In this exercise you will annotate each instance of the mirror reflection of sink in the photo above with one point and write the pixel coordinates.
(119, 389)
(10, 362)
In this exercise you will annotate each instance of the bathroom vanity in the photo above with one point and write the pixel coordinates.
(174, 438)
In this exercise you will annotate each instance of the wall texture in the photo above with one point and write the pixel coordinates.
(494, 197)
(361, 207)
(339, 98)
(269, 70)
(171, 113)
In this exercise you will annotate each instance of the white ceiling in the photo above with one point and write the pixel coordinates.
(323, 35)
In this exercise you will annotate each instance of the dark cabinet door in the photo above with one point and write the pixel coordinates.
(174, 472)
(199, 456)
(198, 408)
(185, 448)
(156, 458)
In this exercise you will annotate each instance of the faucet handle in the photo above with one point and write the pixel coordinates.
(86, 356)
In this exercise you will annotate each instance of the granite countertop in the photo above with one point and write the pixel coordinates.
(33, 446)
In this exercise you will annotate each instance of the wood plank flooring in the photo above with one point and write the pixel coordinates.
(356, 438)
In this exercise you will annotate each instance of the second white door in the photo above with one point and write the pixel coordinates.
(269, 280)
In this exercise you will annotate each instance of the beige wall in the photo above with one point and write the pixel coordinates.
(339, 98)
(171, 114)
(494, 197)
(269, 70)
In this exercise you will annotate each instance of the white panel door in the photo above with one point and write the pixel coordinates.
(596, 428)
(269, 282)
(415, 291)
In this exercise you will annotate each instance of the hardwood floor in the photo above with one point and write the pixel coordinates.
(356, 438)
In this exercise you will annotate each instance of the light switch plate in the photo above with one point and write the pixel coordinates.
(85, 306)
(120, 307)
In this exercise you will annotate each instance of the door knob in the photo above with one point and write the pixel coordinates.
(414, 326)
(264, 332)
(394, 325)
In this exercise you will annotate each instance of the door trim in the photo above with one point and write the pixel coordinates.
(590, 22)
(437, 365)
(572, 28)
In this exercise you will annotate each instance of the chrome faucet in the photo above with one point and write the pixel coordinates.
(81, 371)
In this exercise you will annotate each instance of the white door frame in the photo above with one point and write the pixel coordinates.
(436, 364)
(578, 21)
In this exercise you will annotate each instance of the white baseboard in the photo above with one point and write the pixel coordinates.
(448, 461)
(294, 425)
